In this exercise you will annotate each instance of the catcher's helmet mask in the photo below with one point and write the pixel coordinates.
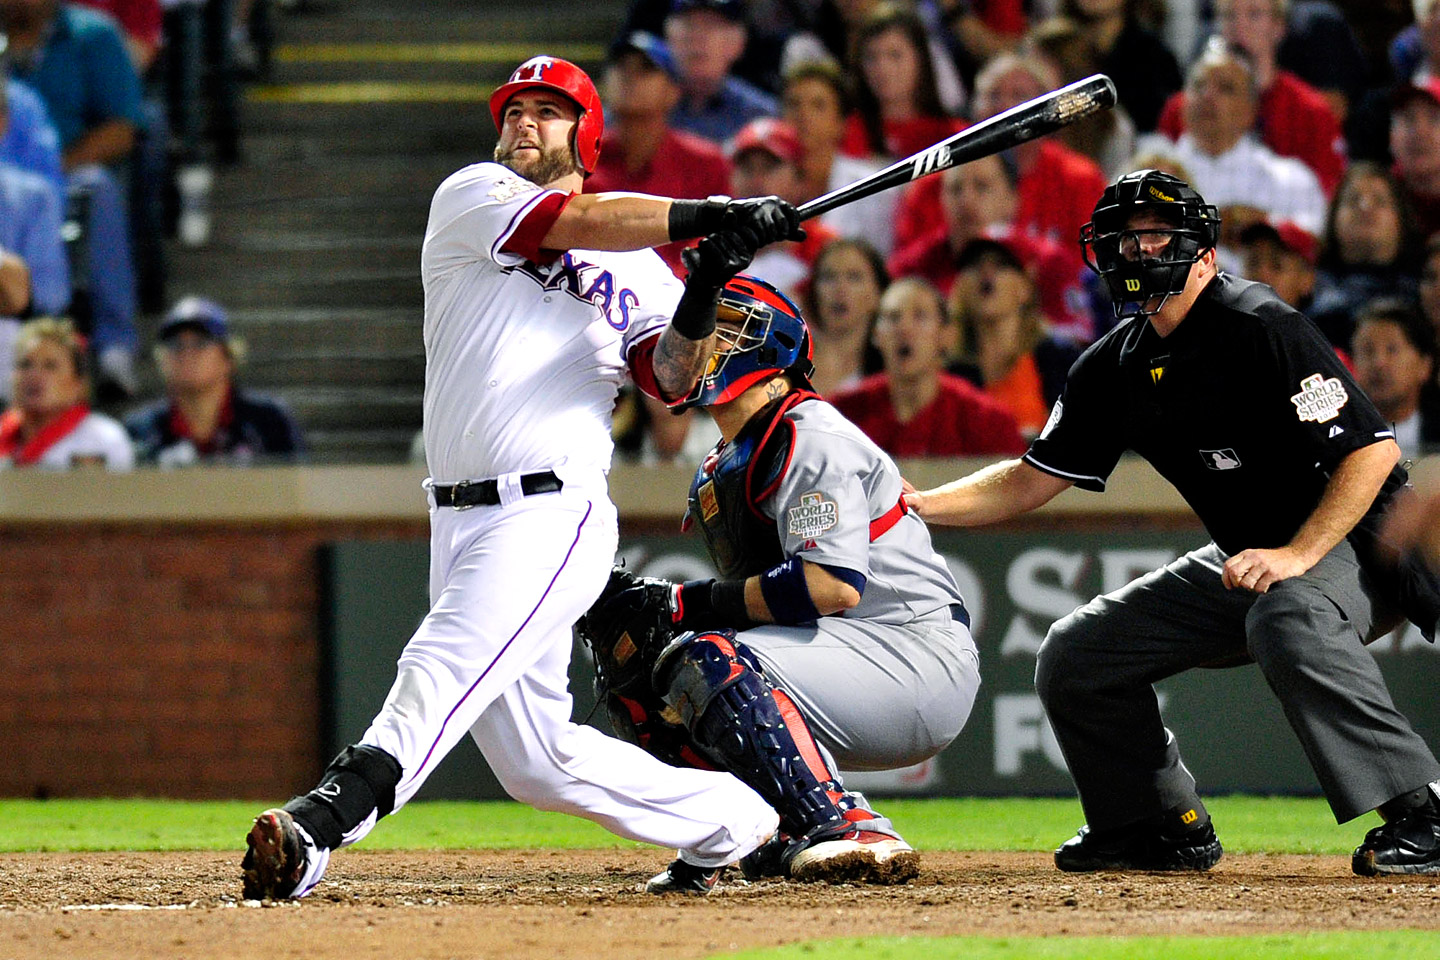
(1141, 286)
(760, 333)
(563, 77)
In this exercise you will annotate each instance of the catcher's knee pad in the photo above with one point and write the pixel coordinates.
(359, 781)
(742, 724)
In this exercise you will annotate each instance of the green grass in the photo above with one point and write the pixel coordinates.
(1245, 824)
(1374, 945)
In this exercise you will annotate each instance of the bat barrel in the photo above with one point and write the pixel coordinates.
(1020, 124)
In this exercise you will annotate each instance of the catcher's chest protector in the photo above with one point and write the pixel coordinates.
(732, 482)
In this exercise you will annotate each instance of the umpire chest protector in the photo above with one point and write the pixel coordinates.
(732, 482)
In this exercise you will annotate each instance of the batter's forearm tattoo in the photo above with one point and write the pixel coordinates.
(677, 361)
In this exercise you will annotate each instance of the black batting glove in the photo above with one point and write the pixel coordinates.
(770, 219)
(718, 257)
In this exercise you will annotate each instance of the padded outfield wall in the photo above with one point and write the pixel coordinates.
(217, 633)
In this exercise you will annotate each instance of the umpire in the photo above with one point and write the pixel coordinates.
(1239, 402)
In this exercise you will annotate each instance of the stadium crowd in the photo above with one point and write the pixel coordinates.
(947, 313)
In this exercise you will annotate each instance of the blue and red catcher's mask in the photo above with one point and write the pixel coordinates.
(761, 333)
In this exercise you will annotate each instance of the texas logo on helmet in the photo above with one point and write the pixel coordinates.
(561, 76)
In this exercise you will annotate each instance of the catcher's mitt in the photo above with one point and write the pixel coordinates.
(626, 629)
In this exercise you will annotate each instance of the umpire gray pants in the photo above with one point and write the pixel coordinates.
(1095, 671)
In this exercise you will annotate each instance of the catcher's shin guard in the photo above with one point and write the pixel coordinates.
(360, 781)
(744, 725)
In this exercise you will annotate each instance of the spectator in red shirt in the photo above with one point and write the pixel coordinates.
(1055, 185)
(979, 199)
(898, 108)
(849, 278)
(914, 408)
(1415, 145)
(641, 153)
(1294, 119)
(765, 162)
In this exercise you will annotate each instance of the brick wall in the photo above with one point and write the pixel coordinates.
(164, 660)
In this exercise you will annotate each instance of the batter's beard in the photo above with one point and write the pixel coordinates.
(550, 166)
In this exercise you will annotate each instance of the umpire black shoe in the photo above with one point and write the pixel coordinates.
(1144, 846)
(1408, 844)
(682, 877)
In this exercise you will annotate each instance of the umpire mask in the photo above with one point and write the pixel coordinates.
(1142, 268)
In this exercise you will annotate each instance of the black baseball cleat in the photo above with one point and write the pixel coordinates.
(682, 877)
(1408, 844)
(274, 858)
(1145, 846)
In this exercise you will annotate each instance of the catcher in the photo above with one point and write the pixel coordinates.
(834, 638)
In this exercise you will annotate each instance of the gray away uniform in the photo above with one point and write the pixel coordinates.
(891, 681)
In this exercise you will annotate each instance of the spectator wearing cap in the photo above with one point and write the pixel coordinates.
(641, 152)
(1292, 117)
(1283, 256)
(1003, 343)
(1415, 50)
(1372, 248)
(51, 426)
(1230, 167)
(1394, 353)
(77, 61)
(1415, 145)
(980, 199)
(707, 37)
(34, 273)
(815, 102)
(765, 161)
(205, 417)
(1055, 186)
(913, 408)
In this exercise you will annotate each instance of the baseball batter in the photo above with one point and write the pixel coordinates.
(836, 636)
(537, 299)
(1241, 403)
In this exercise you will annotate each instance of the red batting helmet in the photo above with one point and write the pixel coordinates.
(562, 76)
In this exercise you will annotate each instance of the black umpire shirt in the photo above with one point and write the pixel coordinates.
(1245, 408)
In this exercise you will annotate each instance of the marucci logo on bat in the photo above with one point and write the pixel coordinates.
(933, 159)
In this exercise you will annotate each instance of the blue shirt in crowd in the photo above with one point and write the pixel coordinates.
(30, 229)
(83, 73)
(30, 141)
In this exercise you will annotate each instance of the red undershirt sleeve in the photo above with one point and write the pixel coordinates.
(525, 241)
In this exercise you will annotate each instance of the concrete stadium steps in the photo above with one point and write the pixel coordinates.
(316, 242)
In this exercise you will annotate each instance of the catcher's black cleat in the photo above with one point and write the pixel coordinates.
(274, 857)
(1408, 844)
(1140, 847)
(768, 859)
(682, 877)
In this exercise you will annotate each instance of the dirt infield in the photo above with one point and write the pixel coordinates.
(585, 905)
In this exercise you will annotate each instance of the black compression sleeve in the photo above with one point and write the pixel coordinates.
(713, 603)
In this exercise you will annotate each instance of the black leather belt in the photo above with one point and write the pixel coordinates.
(486, 493)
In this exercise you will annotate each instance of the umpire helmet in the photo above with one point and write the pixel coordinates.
(561, 76)
(1195, 228)
(761, 333)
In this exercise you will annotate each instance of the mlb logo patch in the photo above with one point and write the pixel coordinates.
(1225, 459)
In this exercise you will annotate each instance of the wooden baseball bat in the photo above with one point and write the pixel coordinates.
(1015, 126)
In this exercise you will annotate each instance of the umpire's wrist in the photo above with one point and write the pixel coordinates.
(696, 218)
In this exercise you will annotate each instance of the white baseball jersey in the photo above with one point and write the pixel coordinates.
(96, 441)
(523, 362)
